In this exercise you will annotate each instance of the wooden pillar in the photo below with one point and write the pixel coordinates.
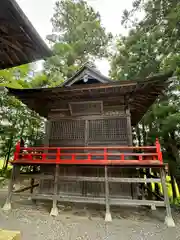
(54, 210)
(157, 190)
(168, 219)
(108, 217)
(46, 140)
(7, 205)
(149, 186)
(17, 177)
(134, 186)
(84, 184)
(32, 186)
(47, 133)
(129, 127)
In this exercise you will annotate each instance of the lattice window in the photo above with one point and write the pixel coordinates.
(86, 108)
(68, 130)
(108, 129)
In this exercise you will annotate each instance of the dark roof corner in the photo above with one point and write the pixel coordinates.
(21, 42)
(161, 77)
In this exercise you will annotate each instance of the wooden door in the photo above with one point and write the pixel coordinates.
(68, 133)
(108, 132)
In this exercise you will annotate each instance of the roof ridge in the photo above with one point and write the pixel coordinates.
(81, 69)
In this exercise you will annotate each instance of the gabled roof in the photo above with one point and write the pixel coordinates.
(19, 41)
(86, 70)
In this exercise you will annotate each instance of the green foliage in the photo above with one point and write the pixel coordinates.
(135, 57)
(16, 120)
(152, 46)
(81, 38)
(153, 43)
(81, 26)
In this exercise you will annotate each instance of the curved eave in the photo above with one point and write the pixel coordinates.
(140, 95)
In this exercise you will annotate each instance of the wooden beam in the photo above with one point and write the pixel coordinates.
(60, 110)
(101, 200)
(10, 44)
(106, 99)
(110, 179)
(26, 188)
(7, 56)
(36, 176)
(94, 86)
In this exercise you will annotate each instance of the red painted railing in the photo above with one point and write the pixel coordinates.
(89, 155)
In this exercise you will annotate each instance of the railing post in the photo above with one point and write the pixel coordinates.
(158, 150)
(73, 157)
(43, 157)
(58, 155)
(89, 157)
(17, 151)
(105, 154)
(140, 158)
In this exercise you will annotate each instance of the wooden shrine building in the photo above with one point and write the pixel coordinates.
(88, 154)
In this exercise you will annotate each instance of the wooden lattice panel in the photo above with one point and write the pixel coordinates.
(68, 130)
(86, 108)
(108, 130)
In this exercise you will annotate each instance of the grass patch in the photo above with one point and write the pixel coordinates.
(2, 164)
(5, 173)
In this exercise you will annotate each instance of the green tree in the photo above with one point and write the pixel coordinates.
(152, 46)
(16, 120)
(80, 37)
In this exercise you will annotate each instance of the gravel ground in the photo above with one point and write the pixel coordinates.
(81, 222)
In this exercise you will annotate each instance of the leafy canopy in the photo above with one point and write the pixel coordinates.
(80, 37)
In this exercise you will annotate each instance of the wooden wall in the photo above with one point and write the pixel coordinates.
(110, 128)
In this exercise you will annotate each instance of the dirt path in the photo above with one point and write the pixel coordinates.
(77, 222)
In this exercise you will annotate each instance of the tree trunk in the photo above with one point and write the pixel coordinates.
(10, 143)
(8, 153)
